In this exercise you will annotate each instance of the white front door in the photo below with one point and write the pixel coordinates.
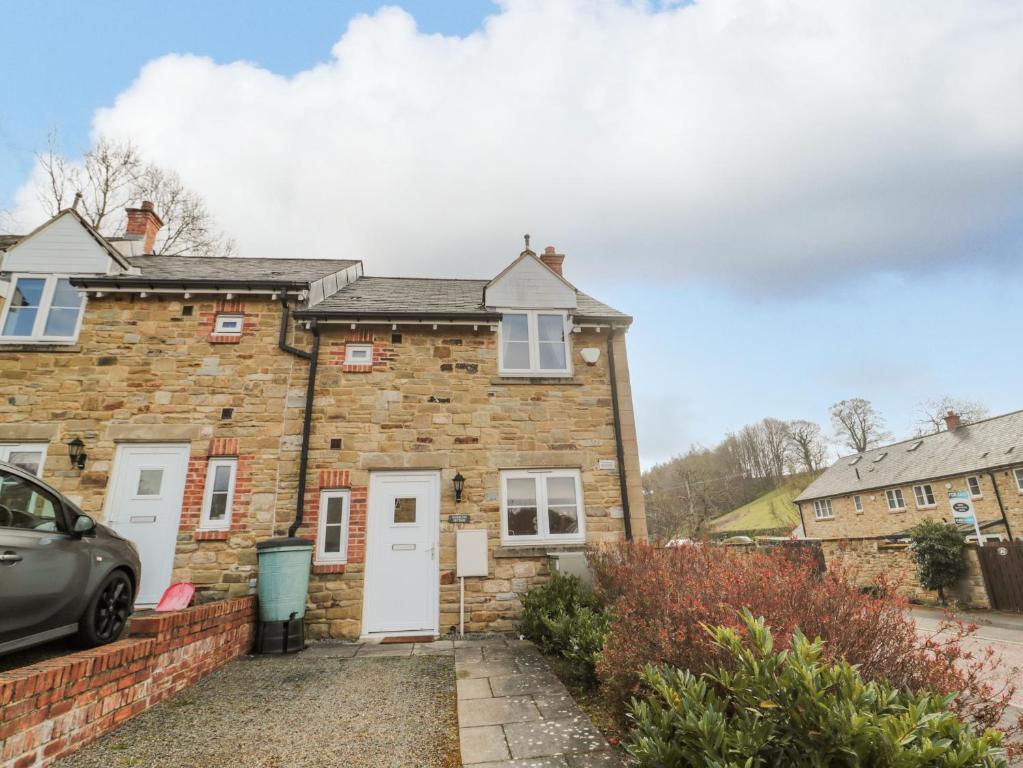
(144, 506)
(402, 557)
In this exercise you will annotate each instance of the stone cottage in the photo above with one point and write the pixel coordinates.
(216, 402)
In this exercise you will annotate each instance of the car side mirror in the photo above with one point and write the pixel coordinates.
(84, 524)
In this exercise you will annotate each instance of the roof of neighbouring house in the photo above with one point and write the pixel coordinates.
(219, 270)
(6, 241)
(983, 445)
(434, 297)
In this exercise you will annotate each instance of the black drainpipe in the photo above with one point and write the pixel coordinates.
(1001, 506)
(619, 447)
(307, 420)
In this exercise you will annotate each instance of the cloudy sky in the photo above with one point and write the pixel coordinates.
(798, 201)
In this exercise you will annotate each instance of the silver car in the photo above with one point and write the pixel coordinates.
(61, 572)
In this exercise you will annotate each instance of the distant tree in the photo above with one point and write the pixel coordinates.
(933, 412)
(806, 448)
(112, 176)
(938, 552)
(857, 424)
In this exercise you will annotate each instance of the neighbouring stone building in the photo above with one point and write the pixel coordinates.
(198, 388)
(886, 491)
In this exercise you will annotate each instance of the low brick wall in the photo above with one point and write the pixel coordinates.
(50, 709)
(872, 557)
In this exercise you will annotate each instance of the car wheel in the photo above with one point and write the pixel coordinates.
(107, 614)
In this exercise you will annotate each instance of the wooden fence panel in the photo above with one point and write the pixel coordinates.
(1002, 565)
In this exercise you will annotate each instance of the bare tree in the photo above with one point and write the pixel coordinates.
(858, 425)
(113, 176)
(806, 448)
(932, 413)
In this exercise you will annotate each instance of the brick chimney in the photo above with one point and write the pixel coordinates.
(143, 224)
(952, 421)
(552, 259)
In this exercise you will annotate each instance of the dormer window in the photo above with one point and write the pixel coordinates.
(42, 308)
(534, 343)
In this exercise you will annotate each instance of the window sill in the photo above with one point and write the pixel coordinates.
(545, 380)
(823, 519)
(211, 535)
(329, 567)
(40, 346)
(927, 506)
(536, 550)
(896, 511)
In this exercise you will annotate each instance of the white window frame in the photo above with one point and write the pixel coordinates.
(322, 556)
(351, 349)
(205, 523)
(980, 490)
(890, 495)
(1018, 472)
(858, 503)
(533, 335)
(42, 315)
(218, 325)
(542, 523)
(923, 490)
(822, 510)
(7, 448)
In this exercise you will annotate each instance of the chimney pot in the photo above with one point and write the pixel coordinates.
(143, 224)
(553, 259)
(952, 421)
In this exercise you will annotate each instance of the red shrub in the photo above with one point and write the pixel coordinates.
(662, 598)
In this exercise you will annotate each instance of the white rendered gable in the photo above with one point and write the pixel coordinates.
(528, 284)
(61, 246)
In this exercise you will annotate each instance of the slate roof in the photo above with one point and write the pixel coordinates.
(433, 297)
(226, 270)
(984, 445)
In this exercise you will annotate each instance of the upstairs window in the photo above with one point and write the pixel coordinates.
(895, 501)
(974, 483)
(1019, 478)
(42, 309)
(534, 343)
(822, 509)
(924, 495)
(358, 354)
(858, 503)
(229, 325)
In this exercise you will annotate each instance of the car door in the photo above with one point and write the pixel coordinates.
(42, 566)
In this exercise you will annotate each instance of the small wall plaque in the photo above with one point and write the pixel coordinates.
(606, 464)
(460, 518)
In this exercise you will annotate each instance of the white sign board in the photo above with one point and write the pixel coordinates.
(963, 511)
(471, 553)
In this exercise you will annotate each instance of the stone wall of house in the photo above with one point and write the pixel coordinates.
(150, 370)
(433, 400)
(877, 520)
(874, 558)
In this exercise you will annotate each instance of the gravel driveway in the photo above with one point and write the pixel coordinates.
(312, 709)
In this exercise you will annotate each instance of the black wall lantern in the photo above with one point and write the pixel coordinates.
(76, 452)
(459, 482)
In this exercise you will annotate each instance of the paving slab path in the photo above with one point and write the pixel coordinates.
(513, 712)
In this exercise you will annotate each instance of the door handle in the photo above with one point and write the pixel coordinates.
(10, 557)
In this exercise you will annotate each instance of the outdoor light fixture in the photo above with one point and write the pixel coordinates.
(459, 482)
(76, 452)
(590, 355)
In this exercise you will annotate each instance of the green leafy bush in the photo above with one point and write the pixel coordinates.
(794, 708)
(563, 617)
(938, 553)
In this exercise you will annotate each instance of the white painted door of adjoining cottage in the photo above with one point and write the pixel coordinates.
(144, 506)
(402, 558)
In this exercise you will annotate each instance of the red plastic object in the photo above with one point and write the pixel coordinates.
(176, 597)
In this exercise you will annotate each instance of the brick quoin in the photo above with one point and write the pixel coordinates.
(52, 708)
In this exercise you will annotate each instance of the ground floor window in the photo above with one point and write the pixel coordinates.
(332, 533)
(219, 496)
(27, 456)
(542, 505)
(822, 509)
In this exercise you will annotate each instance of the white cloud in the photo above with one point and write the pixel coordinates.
(768, 138)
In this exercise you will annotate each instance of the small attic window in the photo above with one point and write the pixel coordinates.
(854, 461)
(914, 446)
(229, 325)
(880, 457)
